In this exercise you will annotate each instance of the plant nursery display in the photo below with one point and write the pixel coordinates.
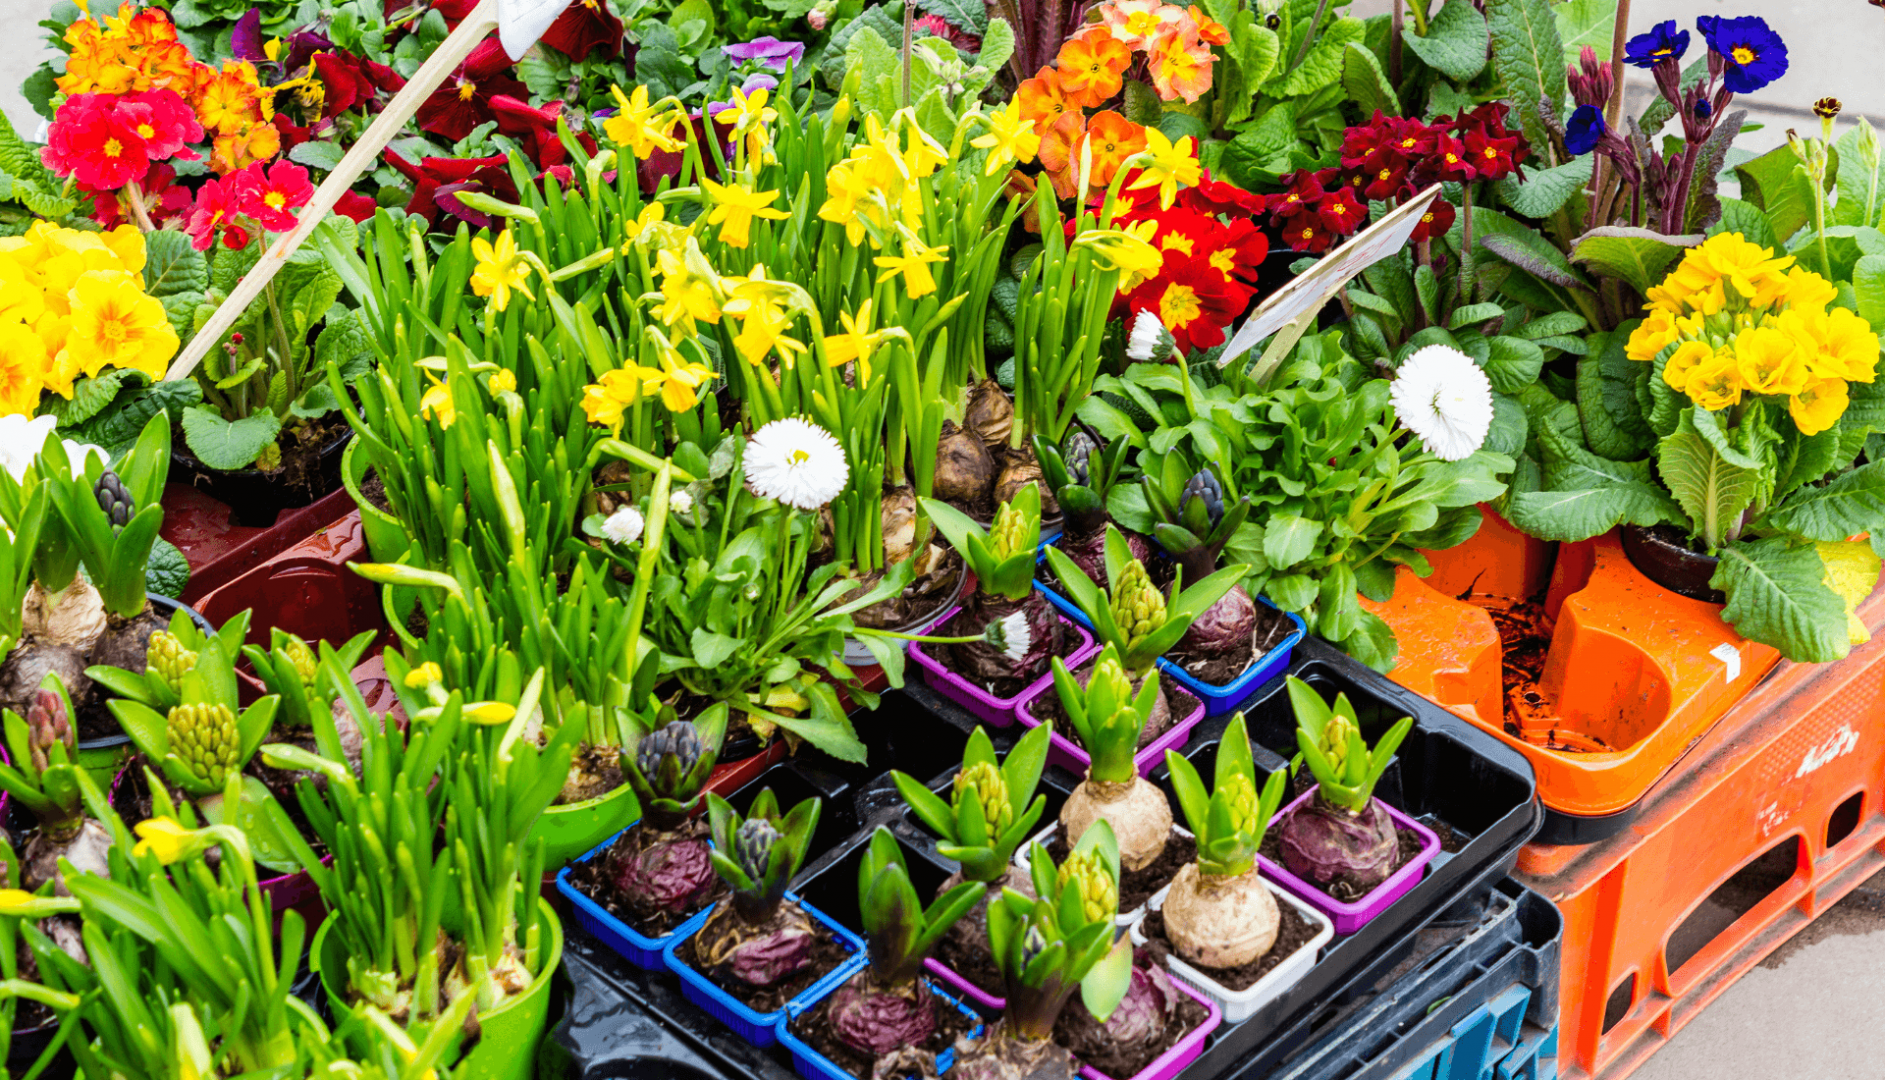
(1168, 378)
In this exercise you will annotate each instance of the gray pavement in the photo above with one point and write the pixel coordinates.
(1811, 1011)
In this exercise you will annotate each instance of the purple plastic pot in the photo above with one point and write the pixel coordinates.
(1350, 917)
(1064, 753)
(1182, 1053)
(991, 710)
(984, 1002)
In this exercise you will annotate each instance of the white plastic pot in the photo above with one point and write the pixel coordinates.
(1239, 1005)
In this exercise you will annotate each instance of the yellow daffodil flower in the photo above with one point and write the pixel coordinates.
(605, 401)
(423, 676)
(1126, 252)
(164, 838)
(637, 227)
(501, 381)
(750, 117)
(857, 342)
(637, 125)
(686, 296)
(1172, 164)
(913, 264)
(679, 379)
(734, 208)
(501, 268)
(1010, 139)
(437, 404)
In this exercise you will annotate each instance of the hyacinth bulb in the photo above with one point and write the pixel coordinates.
(203, 736)
(1088, 876)
(114, 500)
(48, 725)
(166, 656)
(1077, 456)
(752, 848)
(984, 783)
(1204, 485)
(667, 755)
(1138, 608)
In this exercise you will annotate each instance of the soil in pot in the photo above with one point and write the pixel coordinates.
(1159, 1015)
(1293, 931)
(597, 878)
(964, 948)
(1174, 704)
(595, 771)
(1267, 632)
(1343, 889)
(937, 584)
(824, 957)
(960, 659)
(309, 469)
(1663, 555)
(1137, 886)
(1525, 631)
(814, 1027)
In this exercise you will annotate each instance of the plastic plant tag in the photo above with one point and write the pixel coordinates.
(521, 22)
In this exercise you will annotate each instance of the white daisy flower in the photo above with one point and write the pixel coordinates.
(680, 502)
(623, 527)
(1149, 339)
(1444, 398)
(21, 440)
(1011, 635)
(797, 463)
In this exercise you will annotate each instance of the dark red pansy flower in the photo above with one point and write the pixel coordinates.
(463, 101)
(585, 25)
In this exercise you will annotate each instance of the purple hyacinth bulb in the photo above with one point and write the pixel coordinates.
(1584, 130)
(769, 52)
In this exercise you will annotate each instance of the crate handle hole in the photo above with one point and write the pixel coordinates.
(1844, 820)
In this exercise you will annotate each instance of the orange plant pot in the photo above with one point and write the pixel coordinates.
(1633, 674)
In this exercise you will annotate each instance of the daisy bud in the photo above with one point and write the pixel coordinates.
(1149, 339)
(623, 527)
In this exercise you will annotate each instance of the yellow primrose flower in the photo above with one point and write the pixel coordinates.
(20, 300)
(1818, 405)
(1804, 288)
(164, 838)
(1683, 362)
(637, 126)
(1010, 139)
(913, 264)
(500, 269)
(437, 404)
(501, 381)
(1172, 164)
(735, 207)
(423, 676)
(1655, 333)
(1770, 362)
(114, 323)
(857, 342)
(678, 380)
(1851, 572)
(23, 364)
(605, 401)
(1715, 383)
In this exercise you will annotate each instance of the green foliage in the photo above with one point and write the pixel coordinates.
(1106, 713)
(1230, 819)
(1001, 556)
(1329, 736)
(992, 807)
(1529, 58)
(757, 854)
(901, 932)
(1455, 43)
(1131, 616)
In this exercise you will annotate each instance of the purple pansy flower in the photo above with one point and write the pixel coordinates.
(770, 52)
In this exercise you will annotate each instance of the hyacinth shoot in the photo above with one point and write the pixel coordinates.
(1002, 556)
(757, 855)
(992, 806)
(667, 766)
(1062, 938)
(1140, 622)
(1342, 834)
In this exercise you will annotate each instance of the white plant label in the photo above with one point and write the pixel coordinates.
(1730, 658)
(1306, 294)
(521, 22)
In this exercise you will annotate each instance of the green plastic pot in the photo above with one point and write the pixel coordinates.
(574, 830)
(508, 1048)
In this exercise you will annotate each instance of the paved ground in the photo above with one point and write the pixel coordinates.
(1811, 1011)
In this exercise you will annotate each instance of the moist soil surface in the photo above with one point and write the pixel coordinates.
(815, 1029)
(1007, 688)
(592, 879)
(1272, 627)
(975, 965)
(600, 772)
(1120, 1062)
(1344, 889)
(1046, 708)
(1293, 931)
(826, 955)
(1137, 886)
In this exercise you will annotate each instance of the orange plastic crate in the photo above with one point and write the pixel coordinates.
(1799, 764)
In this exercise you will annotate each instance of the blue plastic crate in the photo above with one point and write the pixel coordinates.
(640, 949)
(761, 1029)
(1494, 1042)
(1218, 700)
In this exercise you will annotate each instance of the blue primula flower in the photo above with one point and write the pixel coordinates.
(1585, 128)
(1755, 55)
(1663, 42)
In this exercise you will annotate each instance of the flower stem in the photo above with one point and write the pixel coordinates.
(1309, 39)
(1419, 11)
(134, 198)
(1394, 45)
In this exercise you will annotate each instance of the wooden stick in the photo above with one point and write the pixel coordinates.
(431, 74)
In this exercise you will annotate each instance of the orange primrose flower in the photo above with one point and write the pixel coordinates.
(1114, 139)
(1092, 67)
(1043, 100)
(1210, 31)
(1181, 67)
(1059, 154)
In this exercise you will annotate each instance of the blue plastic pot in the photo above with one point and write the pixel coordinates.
(813, 1065)
(640, 949)
(1218, 700)
(760, 1029)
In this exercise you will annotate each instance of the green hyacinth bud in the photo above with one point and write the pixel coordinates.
(983, 782)
(169, 659)
(1138, 607)
(1335, 738)
(307, 666)
(1009, 534)
(203, 736)
(1111, 674)
(1243, 803)
(1087, 874)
